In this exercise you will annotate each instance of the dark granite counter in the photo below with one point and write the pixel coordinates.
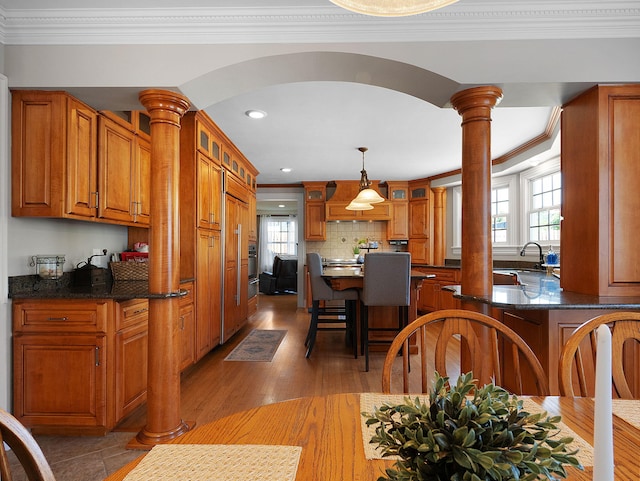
(33, 287)
(540, 291)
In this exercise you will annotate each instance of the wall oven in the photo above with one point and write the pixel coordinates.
(253, 270)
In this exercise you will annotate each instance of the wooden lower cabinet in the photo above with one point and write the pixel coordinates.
(208, 289)
(546, 331)
(79, 366)
(60, 382)
(432, 295)
(131, 355)
(187, 326)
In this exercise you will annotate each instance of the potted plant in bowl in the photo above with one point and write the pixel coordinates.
(356, 251)
(469, 433)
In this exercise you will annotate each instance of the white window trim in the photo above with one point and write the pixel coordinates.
(509, 181)
(526, 177)
(511, 246)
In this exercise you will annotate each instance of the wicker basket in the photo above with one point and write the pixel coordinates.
(130, 271)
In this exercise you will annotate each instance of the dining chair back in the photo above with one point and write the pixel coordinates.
(25, 448)
(387, 279)
(494, 352)
(332, 316)
(578, 357)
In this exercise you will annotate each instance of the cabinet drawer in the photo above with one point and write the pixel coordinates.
(442, 276)
(189, 297)
(60, 316)
(130, 313)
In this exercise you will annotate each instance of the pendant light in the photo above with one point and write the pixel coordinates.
(392, 8)
(366, 196)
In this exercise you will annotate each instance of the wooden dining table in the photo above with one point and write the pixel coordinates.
(329, 431)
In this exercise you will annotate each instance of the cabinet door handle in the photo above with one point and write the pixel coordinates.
(138, 311)
(95, 194)
(57, 318)
(97, 356)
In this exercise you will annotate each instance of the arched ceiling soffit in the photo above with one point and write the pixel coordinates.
(254, 74)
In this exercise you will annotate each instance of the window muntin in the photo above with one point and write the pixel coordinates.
(544, 208)
(282, 236)
(500, 215)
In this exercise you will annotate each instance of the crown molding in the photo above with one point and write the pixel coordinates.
(477, 20)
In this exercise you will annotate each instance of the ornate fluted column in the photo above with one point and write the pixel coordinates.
(439, 225)
(474, 105)
(163, 385)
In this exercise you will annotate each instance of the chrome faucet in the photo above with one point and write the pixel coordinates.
(539, 248)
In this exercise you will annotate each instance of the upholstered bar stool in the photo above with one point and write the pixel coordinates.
(387, 279)
(326, 318)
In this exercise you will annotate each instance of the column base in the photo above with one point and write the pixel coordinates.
(145, 440)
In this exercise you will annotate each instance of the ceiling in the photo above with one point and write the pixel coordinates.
(331, 81)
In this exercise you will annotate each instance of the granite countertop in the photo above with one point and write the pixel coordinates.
(542, 291)
(33, 287)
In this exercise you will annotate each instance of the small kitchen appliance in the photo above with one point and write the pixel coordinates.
(48, 266)
(88, 275)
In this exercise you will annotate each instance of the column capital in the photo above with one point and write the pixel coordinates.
(483, 97)
(164, 105)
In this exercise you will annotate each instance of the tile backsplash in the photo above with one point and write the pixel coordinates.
(343, 236)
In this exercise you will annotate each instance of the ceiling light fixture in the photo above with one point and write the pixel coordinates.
(366, 196)
(392, 8)
(255, 114)
(286, 169)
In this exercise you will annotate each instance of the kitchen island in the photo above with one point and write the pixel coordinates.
(545, 315)
(341, 278)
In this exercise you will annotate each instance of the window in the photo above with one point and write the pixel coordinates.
(499, 214)
(282, 235)
(542, 190)
(544, 216)
(504, 208)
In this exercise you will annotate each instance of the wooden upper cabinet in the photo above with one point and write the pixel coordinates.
(600, 202)
(419, 219)
(70, 162)
(253, 218)
(398, 226)
(124, 160)
(54, 169)
(209, 198)
(315, 228)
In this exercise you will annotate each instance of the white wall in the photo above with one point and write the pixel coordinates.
(5, 318)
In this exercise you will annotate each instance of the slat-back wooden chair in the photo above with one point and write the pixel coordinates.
(489, 345)
(26, 449)
(578, 356)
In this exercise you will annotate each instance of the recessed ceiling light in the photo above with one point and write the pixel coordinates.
(281, 205)
(255, 114)
(285, 169)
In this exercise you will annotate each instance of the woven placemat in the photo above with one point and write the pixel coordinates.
(369, 401)
(627, 409)
(217, 462)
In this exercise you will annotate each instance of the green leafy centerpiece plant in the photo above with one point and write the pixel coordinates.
(469, 433)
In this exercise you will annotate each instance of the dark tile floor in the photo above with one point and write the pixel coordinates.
(83, 458)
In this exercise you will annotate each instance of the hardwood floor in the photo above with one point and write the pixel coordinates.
(215, 388)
